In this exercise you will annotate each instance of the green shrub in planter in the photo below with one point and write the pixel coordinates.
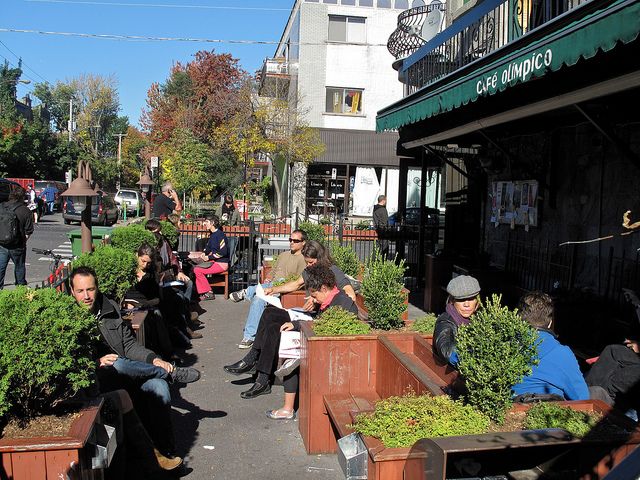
(551, 415)
(496, 350)
(362, 225)
(46, 342)
(115, 268)
(345, 258)
(402, 421)
(425, 325)
(382, 291)
(313, 231)
(130, 238)
(289, 278)
(338, 321)
(168, 230)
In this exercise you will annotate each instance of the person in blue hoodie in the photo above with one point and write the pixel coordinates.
(557, 371)
(215, 258)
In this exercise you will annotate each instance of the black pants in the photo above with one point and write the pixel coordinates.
(267, 340)
(618, 372)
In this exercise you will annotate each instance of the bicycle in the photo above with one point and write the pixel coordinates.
(56, 259)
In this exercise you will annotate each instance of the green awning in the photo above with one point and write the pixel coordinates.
(599, 30)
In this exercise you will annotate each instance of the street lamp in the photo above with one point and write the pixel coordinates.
(146, 183)
(81, 193)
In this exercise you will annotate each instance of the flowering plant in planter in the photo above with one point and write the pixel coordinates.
(45, 350)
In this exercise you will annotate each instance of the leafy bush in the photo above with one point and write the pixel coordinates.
(402, 421)
(313, 231)
(325, 221)
(338, 321)
(550, 415)
(130, 238)
(496, 350)
(170, 232)
(45, 350)
(115, 268)
(425, 325)
(382, 291)
(345, 258)
(289, 278)
(362, 225)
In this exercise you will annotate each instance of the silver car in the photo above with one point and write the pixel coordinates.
(132, 199)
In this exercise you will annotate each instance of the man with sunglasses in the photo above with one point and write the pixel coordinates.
(288, 264)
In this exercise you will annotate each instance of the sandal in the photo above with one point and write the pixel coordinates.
(280, 414)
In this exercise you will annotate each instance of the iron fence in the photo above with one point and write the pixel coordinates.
(623, 271)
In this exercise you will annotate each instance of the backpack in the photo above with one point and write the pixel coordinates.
(9, 225)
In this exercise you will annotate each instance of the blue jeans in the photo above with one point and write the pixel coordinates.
(255, 312)
(18, 256)
(50, 206)
(152, 379)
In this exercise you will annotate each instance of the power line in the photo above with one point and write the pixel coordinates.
(161, 5)
(23, 63)
(137, 38)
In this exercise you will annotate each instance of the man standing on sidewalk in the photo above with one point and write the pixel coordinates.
(165, 203)
(16, 226)
(380, 223)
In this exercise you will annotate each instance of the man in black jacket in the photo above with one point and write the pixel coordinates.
(380, 223)
(17, 249)
(124, 363)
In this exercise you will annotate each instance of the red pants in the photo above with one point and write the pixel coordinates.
(202, 284)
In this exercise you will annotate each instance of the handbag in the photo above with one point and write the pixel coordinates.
(289, 344)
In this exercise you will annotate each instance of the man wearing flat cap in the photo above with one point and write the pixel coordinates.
(463, 301)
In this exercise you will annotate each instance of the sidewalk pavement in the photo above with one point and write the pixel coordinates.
(224, 436)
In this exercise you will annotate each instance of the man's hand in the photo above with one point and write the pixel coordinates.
(286, 327)
(270, 290)
(162, 364)
(182, 277)
(633, 345)
(108, 360)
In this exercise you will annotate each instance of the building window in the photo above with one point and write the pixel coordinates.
(366, 3)
(347, 101)
(384, 3)
(402, 4)
(347, 29)
(348, 2)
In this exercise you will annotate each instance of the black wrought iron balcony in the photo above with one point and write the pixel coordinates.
(487, 27)
(416, 26)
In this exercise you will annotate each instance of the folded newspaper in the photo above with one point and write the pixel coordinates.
(294, 313)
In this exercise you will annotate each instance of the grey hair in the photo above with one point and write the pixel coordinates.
(166, 187)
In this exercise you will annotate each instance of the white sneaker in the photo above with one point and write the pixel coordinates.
(238, 296)
(289, 365)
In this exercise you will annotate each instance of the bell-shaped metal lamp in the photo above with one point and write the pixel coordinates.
(80, 188)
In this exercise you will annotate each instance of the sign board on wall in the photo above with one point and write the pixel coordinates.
(515, 203)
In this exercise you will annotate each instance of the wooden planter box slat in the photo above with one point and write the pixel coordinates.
(294, 299)
(51, 458)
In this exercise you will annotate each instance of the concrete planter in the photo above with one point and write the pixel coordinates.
(53, 458)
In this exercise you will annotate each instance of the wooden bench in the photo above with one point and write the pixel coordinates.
(137, 322)
(341, 409)
(220, 280)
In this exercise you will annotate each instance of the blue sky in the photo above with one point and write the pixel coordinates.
(135, 64)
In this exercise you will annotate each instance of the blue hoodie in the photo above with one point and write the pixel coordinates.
(557, 372)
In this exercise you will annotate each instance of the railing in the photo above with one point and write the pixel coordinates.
(408, 37)
(489, 26)
(623, 271)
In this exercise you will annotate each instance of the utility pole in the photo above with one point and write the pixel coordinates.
(119, 135)
(70, 118)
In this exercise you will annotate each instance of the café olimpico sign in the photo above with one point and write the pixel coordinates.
(515, 72)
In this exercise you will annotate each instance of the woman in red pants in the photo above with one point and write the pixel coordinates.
(216, 254)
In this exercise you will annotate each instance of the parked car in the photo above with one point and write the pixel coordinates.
(40, 185)
(5, 188)
(132, 198)
(412, 217)
(104, 210)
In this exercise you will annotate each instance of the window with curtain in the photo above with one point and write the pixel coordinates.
(347, 101)
(347, 29)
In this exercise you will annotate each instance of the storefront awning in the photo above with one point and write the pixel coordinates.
(599, 30)
(358, 147)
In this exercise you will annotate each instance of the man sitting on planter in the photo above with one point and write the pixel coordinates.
(557, 372)
(124, 363)
(288, 264)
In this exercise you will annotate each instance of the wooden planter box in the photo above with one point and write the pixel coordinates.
(367, 366)
(274, 228)
(52, 458)
(363, 310)
(267, 266)
(360, 234)
(236, 231)
(294, 299)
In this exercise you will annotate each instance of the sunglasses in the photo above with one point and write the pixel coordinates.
(295, 240)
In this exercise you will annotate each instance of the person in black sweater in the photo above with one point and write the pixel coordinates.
(263, 356)
(216, 256)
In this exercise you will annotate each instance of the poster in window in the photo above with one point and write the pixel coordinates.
(514, 202)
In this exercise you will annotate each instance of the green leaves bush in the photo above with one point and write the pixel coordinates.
(425, 325)
(338, 321)
(382, 291)
(115, 268)
(551, 415)
(168, 230)
(130, 238)
(45, 350)
(402, 421)
(496, 350)
(345, 258)
(314, 231)
(289, 278)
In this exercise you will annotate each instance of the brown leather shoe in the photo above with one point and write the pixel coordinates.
(166, 463)
(193, 334)
(194, 317)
